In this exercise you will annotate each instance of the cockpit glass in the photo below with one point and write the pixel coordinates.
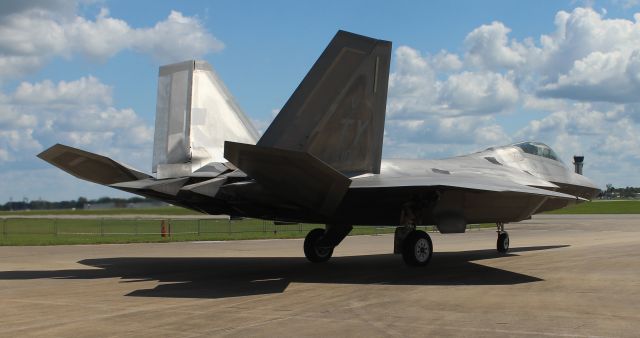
(539, 149)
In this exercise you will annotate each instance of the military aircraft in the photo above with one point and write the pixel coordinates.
(320, 160)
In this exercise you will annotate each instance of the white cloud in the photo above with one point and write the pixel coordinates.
(433, 101)
(416, 89)
(478, 93)
(34, 33)
(610, 139)
(436, 136)
(78, 113)
(575, 88)
(176, 38)
(581, 80)
(613, 77)
(16, 143)
(86, 90)
(488, 47)
(590, 58)
(587, 57)
(445, 61)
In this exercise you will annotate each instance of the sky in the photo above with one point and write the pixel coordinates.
(465, 75)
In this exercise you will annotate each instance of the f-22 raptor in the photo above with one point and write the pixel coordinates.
(320, 160)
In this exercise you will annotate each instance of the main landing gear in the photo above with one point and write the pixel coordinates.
(414, 245)
(312, 250)
(503, 239)
(417, 248)
(319, 243)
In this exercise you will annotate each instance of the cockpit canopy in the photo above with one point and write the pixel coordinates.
(539, 149)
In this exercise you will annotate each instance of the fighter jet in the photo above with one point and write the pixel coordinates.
(320, 160)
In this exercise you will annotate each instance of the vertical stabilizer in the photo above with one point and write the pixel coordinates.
(195, 114)
(337, 112)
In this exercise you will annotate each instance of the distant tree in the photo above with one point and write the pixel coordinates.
(81, 202)
(103, 200)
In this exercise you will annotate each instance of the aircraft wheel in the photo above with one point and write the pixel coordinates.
(312, 251)
(503, 242)
(417, 248)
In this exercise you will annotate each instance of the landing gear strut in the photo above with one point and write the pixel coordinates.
(503, 239)
(319, 243)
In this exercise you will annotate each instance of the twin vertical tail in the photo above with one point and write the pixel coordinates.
(195, 114)
(337, 112)
(330, 129)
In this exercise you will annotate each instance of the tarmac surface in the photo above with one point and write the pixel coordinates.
(565, 276)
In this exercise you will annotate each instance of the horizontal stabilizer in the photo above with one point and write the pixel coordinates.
(89, 166)
(295, 176)
(169, 186)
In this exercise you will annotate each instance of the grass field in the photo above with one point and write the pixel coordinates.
(72, 231)
(601, 207)
(120, 211)
(49, 231)
(128, 229)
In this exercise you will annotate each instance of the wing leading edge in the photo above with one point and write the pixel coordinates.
(470, 182)
(89, 166)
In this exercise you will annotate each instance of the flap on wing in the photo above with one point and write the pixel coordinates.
(481, 183)
(295, 176)
(89, 166)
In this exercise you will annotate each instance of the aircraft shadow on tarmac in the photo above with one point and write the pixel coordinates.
(221, 277)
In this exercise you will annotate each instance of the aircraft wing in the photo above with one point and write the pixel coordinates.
(89, 166)
(470, 182)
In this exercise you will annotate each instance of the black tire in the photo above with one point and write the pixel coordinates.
(312, 251)
(503, 242)
(417, 248)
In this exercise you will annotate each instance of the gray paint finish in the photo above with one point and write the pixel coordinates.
(319, 161)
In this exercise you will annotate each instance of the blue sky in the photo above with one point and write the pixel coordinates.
(465, 75)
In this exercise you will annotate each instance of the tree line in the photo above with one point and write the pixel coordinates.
(72, 204)
(613, 192)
